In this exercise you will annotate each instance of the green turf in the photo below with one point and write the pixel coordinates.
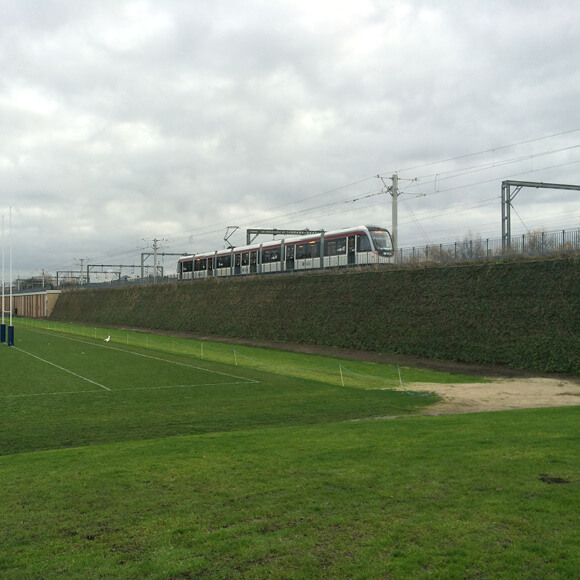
(273, 474)
(62, 390)
(431, 497)
(362, 374)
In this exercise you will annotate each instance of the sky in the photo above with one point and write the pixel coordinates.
(126, 124)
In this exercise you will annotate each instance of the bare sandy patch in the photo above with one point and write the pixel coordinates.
(501, 395)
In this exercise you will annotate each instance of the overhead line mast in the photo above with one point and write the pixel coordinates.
(507, 197)
(393, 190)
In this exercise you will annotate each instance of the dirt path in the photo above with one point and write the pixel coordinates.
(502, 395)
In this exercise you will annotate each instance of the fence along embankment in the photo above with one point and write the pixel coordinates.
(522, 314)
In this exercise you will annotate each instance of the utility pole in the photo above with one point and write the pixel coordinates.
(393, 189)
(155, 255)
(81, 277)
(155, 260)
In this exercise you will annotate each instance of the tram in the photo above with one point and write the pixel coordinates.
(356, 246)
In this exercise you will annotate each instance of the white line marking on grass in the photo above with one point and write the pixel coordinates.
(50, 394)
(172, 362)
(62, 369)
(110, 347)
(182, 386)
(121, 390)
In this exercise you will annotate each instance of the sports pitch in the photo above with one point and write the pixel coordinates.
(65, 386)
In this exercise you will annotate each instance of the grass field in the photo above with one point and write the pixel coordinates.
(153, 457)
(65, 389)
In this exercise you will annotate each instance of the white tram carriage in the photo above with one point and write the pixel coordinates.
(360, 245)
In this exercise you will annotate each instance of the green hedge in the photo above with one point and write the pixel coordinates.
(523, 314)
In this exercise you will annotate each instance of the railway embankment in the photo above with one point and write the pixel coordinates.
(523, 314)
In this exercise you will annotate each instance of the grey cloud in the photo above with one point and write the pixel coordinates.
(128, 120)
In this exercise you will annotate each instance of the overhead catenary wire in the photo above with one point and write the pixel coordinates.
(492, 150)
(323, 209)
(438, 182)
(342, 205)
(455, 173)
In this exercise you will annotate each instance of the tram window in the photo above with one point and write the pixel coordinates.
(335, 247)
(363, 243)
(301, 251)
(224, 261)
(200, 264)
(253, 258)
(245, 258)
(270, 255)
(186, 266)
(314, 249)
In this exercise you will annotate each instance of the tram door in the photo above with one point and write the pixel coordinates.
(350, 248)
(253, 262)
(289, 257)
(237, 264)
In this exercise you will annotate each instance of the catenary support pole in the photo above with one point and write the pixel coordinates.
(10, 341)
(3, 325)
